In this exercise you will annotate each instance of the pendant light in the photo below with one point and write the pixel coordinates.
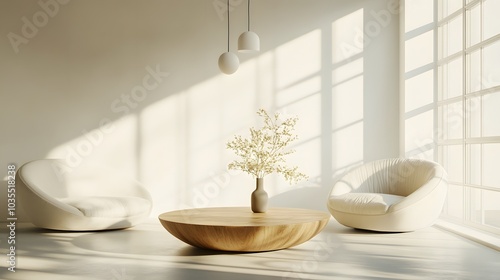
(228, 61)
(248, 41)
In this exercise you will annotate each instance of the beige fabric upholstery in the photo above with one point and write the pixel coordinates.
(55, 196)
(112, 207)
(391, 195)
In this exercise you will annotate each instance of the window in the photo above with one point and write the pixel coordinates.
(467, 130)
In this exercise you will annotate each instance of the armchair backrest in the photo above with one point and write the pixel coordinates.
(54, 178)
(44, 178)
(390, 176)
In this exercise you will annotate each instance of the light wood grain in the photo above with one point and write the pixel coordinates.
(239, 229)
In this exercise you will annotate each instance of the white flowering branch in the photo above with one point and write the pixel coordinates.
(264, 152)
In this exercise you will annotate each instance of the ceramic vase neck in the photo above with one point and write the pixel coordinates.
(259, 183)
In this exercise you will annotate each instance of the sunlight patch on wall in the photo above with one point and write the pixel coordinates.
(347, 91)
(308, 128)
(298, 91)
(298, 88)
(348, 103)
(163, 149)
(419, 91)
(347, 146)
(112, 144)
(346, 72)
(419, 84)
(347, 36)
(419, 51)
(418, 13)
(298, 59)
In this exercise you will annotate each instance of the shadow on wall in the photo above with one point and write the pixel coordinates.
(136, 86)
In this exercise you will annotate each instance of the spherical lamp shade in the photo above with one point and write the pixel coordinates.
(248, 42)
(228, 63)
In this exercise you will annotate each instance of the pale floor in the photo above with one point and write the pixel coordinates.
(149, 252)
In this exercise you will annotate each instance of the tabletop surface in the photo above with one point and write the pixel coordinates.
(243, 216)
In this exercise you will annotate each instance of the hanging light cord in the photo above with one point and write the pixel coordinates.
(248, 16)
(227, 25)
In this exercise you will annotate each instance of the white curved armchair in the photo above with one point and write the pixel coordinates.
(55, 196)
(391, 195)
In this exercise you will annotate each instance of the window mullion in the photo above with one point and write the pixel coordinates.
(465, 169)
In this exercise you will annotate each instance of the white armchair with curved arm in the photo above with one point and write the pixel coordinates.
(55, 196)
(391, 195)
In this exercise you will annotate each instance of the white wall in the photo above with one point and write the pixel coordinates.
(332, 63)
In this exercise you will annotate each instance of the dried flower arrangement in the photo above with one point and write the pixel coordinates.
(265, 151)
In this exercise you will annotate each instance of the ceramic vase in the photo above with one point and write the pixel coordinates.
(259, 197)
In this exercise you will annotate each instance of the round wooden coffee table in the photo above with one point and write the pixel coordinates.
(239, 229)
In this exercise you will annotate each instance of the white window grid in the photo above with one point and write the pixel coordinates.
(466, 140)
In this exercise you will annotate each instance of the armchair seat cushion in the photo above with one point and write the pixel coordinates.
(109, 207)
(364, 203)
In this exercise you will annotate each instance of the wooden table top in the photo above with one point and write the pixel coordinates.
(243, 216)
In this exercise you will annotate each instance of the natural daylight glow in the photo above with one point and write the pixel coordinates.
(451, 88)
